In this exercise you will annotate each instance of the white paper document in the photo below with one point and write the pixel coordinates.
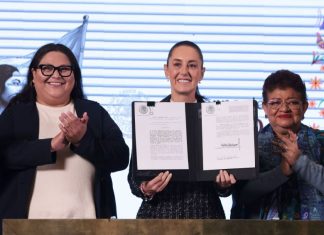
(228, 135)
(161, 136)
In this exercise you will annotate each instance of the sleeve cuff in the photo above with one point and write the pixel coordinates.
(301, 161)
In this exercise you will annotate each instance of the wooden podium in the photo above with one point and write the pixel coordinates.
(160, 226)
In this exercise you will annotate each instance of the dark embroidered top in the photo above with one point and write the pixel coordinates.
(183, 200)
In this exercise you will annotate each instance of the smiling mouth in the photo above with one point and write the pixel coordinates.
(183, 80)
(55, 83)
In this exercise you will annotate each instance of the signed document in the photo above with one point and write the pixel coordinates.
(161, 139)
(228, 135)
(194, 140)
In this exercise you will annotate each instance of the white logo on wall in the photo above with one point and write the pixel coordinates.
(121, 109)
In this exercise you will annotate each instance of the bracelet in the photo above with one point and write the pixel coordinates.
(146, 197)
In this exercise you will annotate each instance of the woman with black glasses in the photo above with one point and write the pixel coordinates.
(57, 148)
(290, 185)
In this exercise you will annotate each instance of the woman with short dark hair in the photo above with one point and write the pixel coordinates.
(290, 185)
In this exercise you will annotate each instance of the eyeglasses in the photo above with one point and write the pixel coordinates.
(293, 104)
(49, 70)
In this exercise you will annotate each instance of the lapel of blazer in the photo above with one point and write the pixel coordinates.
(27, 122)
(79, 107)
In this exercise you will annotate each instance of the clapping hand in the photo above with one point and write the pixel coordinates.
(73, 128)
(59, 142)
(290, 150)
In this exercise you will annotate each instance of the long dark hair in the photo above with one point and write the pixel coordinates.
(197, 48)
(28, 92)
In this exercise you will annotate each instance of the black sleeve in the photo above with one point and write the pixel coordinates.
(265, 183)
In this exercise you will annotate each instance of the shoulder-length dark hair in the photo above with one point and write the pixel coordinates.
(28, 92)
(193, 45)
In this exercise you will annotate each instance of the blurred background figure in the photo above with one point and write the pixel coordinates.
(6, 72)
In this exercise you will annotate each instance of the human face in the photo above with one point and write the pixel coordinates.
(286, 116)
(53, 90)
(185, 71)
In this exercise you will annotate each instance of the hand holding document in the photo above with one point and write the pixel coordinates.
(194, 140)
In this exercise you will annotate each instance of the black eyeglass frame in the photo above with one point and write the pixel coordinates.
(59, 69)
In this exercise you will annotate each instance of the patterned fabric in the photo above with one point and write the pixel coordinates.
(296, 199)
(184, 200)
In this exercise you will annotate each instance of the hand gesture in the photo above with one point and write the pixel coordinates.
(59, 142)
(225, 180)
(74, 128)
(290, 150)
(157, 184)
(285, 167)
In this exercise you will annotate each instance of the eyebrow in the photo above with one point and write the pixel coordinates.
(190, 61)
(54, 65)
(289, 98)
